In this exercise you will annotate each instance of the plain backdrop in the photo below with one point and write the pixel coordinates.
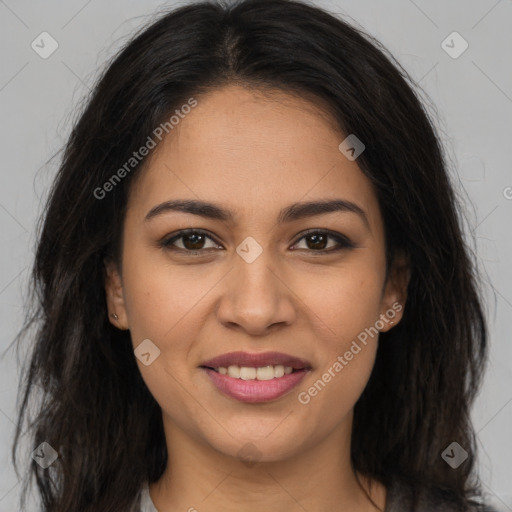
(472, 93)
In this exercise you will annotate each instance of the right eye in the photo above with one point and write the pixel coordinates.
(192, 241)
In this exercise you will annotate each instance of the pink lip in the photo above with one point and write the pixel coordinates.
(256, 391)
(255, 360)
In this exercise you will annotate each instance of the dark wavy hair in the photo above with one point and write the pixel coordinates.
(90, 402)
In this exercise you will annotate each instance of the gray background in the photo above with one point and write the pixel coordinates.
(472, 95)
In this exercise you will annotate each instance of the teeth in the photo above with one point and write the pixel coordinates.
(278, 371)
(234, 371)
(266, 373)
(261, 373)
(247, 373)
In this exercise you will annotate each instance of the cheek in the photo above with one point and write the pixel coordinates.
(347, 308)
(163, 305)
(159, 297)
(346, 302)
(339, 382)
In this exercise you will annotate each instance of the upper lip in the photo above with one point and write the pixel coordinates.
(255, 360)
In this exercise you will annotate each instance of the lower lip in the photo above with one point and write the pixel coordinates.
(255, 391)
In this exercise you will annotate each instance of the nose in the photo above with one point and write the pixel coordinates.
(256, 297)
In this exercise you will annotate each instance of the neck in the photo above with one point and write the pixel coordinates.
(320, 478)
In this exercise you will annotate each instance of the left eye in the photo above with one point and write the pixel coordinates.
(318, 241)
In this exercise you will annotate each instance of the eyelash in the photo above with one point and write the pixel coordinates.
(343, 241)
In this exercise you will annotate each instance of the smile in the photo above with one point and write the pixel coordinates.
(249, 373)
(255, 390)
(255, 377)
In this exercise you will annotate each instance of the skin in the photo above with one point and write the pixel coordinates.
(253, 154)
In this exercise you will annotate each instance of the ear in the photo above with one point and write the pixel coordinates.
(394, 294)
(114, 295)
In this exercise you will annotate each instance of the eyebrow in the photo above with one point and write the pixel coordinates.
(290, 213)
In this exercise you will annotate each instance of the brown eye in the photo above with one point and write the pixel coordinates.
(318, 241)
(191, 241)
(194, 241)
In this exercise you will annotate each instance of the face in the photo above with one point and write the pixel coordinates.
(254, 275)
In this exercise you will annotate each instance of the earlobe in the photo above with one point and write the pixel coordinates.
(114, 295)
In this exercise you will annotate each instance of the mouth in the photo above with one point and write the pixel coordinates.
(256, 360)
(255, 378)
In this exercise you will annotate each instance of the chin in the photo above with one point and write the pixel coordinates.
(266, 447)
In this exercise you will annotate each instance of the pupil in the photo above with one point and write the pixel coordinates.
(196, 241)
(318, 239)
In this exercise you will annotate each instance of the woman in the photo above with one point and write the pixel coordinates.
(252, 286)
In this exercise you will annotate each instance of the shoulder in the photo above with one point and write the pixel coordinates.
(145, 504)
(142, 502)
(400, 499)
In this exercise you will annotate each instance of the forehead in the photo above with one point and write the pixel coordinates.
(253, 152)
